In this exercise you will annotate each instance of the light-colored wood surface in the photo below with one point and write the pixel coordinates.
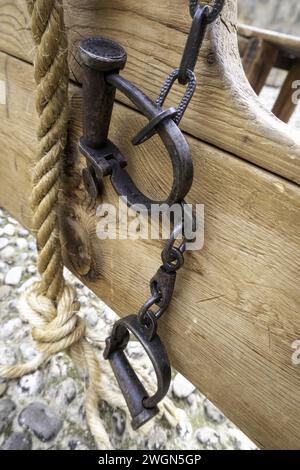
(224, 111)
(236, 309)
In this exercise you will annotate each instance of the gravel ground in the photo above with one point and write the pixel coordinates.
(45, 410)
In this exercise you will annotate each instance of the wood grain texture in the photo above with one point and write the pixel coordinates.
(224, 111)
(236, 309)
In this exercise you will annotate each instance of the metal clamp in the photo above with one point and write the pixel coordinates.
(102, 59)
(142, 407)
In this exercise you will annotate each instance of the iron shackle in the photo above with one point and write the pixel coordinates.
(142, 407)
(102, 59)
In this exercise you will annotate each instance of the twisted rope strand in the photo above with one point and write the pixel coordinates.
(50, 305)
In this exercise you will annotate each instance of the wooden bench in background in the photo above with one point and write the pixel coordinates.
(261, 50)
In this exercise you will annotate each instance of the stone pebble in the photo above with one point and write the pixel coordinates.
(41, 420)
(18, 441)
(181, 387)
(212, 413)
(14, 276)
(7, 412)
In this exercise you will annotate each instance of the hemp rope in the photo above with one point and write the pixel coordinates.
(50, 306)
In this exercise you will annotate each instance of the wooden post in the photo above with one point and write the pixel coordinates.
(264, 56)
(284, 105)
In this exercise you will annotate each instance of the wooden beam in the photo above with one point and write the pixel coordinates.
(264, 56)
(284, 106)
(248, 53)
(224, 111)
(286, 41)
(236, 310)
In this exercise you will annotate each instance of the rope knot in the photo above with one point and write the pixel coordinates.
(52, 315)
(55, 327)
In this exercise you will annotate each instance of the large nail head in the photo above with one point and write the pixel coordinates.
(102, 54)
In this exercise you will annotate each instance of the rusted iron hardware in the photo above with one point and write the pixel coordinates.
(143, 326)
(102, 60)
(213, 11)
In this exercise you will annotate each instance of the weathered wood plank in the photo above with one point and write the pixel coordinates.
(248, 49)
(225, 111)
(263, 61)
(286, 41)
(236, 308)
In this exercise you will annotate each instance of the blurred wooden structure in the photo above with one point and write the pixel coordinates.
(262, 50)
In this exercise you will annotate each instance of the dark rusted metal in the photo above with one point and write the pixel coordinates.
(162, 287)
(193, 44)
(144, 328)
(99, 56)
(191, 87)
(151, 128)
(99, 87)
(163, 283)
(142, 407)
(214, 10)
(102, 60)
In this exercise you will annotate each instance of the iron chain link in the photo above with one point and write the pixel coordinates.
(163, 282)
(214, 10)
(202, 16)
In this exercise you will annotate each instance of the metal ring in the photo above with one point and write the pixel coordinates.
(173, 259)
(173, 140)
(143, 314)
(162, 284)
(150, 129)
(215, 9)
(186, 236)
(137, 399)
(174, 235)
